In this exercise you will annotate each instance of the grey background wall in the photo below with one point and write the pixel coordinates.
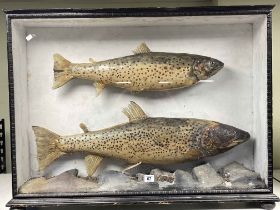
(21, 4)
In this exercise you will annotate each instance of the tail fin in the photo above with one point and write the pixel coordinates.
(47, 150)
(62, 72)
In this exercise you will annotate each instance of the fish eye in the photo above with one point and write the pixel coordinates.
(212, 62)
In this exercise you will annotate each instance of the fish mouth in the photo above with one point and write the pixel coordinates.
(241, 137)
(220, 65)
(231, 136)
(217, 66)
(236, 142)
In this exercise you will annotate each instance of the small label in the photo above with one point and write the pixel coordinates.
(149, 178)
(30, 36)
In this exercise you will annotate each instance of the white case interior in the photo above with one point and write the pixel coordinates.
(236, 96)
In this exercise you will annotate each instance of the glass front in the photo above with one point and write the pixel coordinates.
(140, 104)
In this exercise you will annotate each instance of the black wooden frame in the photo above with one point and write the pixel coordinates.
(2, 147)
(254, 195)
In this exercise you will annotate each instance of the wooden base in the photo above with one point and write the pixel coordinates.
(265, 200)
(15, 208)
(268, 206)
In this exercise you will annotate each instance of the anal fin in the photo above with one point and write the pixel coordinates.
(99, 87)
(92, 163)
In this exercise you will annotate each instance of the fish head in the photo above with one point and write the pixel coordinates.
(221, 138)
(205, 67)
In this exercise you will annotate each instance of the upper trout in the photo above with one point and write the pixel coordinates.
(142, 140)
(143, 71)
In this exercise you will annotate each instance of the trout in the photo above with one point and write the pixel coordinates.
(142, 140)
(143, 71)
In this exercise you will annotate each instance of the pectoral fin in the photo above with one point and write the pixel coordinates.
(142, 48)
(92, 162)
(84, 127)
(99, 87)
(134, 112)
(131, 167)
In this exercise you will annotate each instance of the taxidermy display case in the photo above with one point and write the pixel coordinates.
(144, 105)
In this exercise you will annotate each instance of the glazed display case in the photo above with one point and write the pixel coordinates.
(144, 105)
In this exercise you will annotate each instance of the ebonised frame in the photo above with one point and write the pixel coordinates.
(2, 147)
(54, 199)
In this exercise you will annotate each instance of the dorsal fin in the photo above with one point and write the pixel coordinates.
(142, 48)
(134, 112)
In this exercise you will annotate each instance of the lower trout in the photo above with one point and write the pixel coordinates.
(143, 71)
(142, 140)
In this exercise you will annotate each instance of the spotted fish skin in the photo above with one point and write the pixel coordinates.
(153, 140)
(144, 139)
(144, 71)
